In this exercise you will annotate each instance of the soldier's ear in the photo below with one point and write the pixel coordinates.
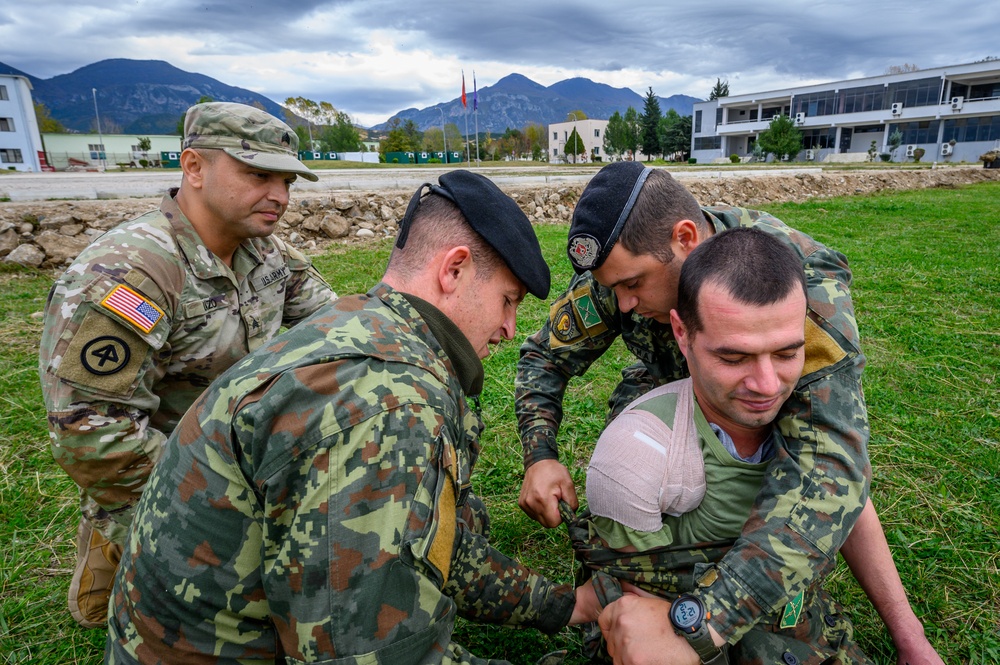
(455, 269)
(193, 166)
(680, 332)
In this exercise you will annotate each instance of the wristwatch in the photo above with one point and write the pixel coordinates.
(687, 615)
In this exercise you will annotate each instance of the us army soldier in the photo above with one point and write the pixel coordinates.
(315, 501)
(156, 308)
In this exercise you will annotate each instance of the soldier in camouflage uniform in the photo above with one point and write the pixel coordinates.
(681, 465)
(314, 504)
(632, 229)
(156, 308)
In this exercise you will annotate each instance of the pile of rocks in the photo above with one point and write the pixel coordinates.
(49, 234)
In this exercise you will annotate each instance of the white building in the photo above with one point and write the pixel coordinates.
(20, 142)
(953, 113)
(591, 133)
(108, 151)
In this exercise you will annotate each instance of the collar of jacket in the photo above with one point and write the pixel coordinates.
(204, 263)
(468, 366)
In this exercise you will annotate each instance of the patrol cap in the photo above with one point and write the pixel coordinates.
(247, 134)
(601, 212)
(496, 217)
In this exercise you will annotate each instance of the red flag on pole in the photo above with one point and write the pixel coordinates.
(464, 104)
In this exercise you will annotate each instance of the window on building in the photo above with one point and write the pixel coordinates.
(816, 103)
(922, 131)
(6, 124)
(555, 151)
(3, 93)
(984, 91)
(866, 98)
(708, 143)
(555, 136)
(718, 116)
(921, 92)
(819, 138)
(972, 129)
(697, 122)
(597, 133)
(95, 147)
(11, 156)
(597, 150)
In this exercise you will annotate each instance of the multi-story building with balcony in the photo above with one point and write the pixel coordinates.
(20, 142)
(952, 113)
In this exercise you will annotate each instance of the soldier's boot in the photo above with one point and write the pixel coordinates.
(96, 561)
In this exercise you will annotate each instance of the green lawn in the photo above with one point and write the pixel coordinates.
(927, 293)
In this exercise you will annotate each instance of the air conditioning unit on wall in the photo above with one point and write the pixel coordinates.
(956, 103)
(810, 155)
(800, 118)
(897, 108)
(946, 149)
(910, 149)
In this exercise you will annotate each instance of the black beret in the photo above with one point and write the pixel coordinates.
(601, 212)
(497, 218)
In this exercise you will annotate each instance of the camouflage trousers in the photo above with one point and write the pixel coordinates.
(101, 519)
(813, 629)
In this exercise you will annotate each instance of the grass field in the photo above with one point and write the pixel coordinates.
(927, 294)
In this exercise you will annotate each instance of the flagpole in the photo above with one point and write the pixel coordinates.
(475, 112)
(465, 107)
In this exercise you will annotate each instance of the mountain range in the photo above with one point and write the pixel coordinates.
(515, 101)
(150, 97)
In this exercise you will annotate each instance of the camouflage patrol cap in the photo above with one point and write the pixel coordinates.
(247, 134)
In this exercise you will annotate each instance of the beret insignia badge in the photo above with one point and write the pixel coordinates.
(583, 251)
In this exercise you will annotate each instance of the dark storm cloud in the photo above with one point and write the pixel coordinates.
(676, 46)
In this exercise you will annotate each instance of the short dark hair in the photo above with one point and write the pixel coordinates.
(753, 266)
(438, 223)
(661, 203)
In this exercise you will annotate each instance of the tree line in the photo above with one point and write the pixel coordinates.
(529, 142)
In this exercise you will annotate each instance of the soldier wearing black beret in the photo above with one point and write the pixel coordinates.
(632, 230)
(316, 500)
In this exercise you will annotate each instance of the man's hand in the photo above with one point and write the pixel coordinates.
(545, 483)
(638, 632)
(587, 607)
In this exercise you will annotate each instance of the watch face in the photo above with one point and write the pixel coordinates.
(686, 613)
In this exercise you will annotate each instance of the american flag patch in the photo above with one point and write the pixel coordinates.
(126, 303)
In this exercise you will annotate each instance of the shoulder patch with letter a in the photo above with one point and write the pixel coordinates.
(104, 355)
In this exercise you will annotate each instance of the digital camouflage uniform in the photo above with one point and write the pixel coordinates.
(813, 627)
(818, 482)
(138, 326)
(309, 506)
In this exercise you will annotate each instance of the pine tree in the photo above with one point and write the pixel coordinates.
(721, 89)
(649, 122)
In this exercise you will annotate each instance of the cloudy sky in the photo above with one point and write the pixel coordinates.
(373, 58)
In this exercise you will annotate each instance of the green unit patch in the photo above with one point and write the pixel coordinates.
(588, 311)
(793, 610)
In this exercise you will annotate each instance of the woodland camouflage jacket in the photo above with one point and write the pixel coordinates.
(308, 508)
(818, 482)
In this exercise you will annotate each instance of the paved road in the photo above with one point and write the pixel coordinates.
(152, 183)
